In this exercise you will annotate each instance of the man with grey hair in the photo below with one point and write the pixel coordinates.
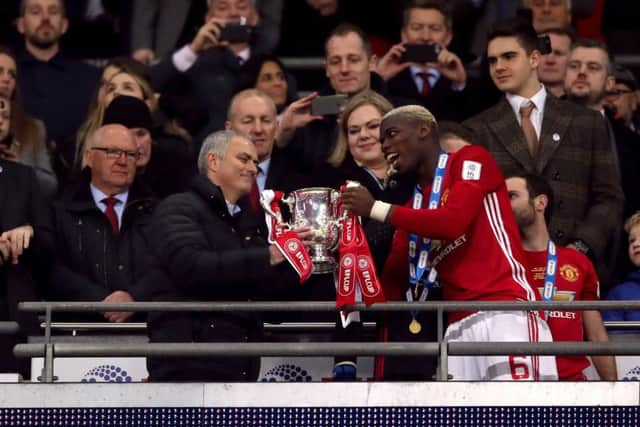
(461, 203)
(101, 227)
(208, 247)
(547, 14)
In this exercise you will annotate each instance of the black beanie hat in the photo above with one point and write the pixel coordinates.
(129, 112)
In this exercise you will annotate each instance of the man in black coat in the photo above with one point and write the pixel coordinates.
(25, 248)
(101, 227)
(209, 248)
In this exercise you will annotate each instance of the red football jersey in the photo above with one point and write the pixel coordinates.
(576, 279)
(479, 254)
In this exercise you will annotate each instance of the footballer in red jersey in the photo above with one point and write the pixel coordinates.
(560, 273)
(476, 247)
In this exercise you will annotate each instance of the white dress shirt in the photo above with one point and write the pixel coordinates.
(538, 100)
(99, 196)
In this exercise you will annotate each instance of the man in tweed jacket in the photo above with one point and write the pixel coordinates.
(572, 150)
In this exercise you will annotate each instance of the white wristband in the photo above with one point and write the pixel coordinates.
(380, 211)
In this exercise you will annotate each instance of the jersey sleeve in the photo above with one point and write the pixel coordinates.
(473, 174)
(591, 288)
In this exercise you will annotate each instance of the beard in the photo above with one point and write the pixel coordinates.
(592, 97)
(525, 217)
(43, 43)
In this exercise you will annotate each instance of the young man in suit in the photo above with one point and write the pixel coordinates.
(531, 131)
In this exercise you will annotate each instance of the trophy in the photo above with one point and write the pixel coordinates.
(316, 208)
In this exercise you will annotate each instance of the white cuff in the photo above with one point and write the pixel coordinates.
(380, 211)
(184, 58)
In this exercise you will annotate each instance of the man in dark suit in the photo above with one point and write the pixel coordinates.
(440, 86)
(531, 131)
(25, 248)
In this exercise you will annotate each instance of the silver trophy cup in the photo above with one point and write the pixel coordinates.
(316, 208)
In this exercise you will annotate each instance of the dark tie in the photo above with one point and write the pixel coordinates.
(426, 86)
(110, 212)
(527, 127)
(254, 197)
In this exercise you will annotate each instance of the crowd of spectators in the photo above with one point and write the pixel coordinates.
(135, 137)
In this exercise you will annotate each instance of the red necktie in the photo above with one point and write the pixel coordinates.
(110, 212)
(254, 197)
(426, 86)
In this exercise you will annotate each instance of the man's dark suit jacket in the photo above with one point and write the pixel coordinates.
(575, 157)
(22, 204)
(443, 102)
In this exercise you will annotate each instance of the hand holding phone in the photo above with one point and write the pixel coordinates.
(327, 105)
(421, 53)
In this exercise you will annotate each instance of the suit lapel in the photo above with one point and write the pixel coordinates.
(555, 123)
(509, 133)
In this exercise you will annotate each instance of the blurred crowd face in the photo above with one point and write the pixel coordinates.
(272, 81)
(7, 76)
(426, 26)
(5, 118)
(553, 66)
(112, 175)
(43, 22)
(363, 135)
(634, 245)
(122, 84)
(107, 74)
(232, 11)
(324, 7)
(623, 100)
(255, 116)
(143, 140)
(512, 69)
(347, 64)
(549, 14)
(587, 79)
(236, 171)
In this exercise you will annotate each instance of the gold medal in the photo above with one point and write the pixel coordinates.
(415, 327)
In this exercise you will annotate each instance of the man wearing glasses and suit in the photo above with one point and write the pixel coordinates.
(101, 227)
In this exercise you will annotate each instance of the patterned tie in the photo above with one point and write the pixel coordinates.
(426, 86)
(527, 127)
(110, 212)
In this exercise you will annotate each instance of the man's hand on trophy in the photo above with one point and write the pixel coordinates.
(306, 235)
(357, 200)
(275, 256)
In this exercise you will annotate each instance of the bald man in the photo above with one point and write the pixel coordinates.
(101, 226)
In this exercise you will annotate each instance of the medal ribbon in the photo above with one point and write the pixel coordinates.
(549, 290)
(285, 239)
(419, 256)
(357, 275)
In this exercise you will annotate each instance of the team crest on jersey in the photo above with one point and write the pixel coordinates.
(569, 273)
(561, 295)
(471, 170)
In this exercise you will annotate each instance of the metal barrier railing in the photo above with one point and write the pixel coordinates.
(442, 349)
(9, 328)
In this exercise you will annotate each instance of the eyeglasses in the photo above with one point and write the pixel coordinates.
(116, 153)
(618, 92)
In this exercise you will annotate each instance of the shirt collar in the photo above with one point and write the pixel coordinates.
(435, 74)
(232, 208)
(538, 99)
(263, 166)
(99, 196)
(244, 54)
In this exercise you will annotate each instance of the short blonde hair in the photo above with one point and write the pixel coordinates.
(632, 221)
(413, 112)
(366, 97)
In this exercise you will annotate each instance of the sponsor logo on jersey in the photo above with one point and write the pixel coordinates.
(569, 273)
(471, 170)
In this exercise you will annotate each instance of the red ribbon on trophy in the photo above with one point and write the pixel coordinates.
(285, 239)
(357, 278)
